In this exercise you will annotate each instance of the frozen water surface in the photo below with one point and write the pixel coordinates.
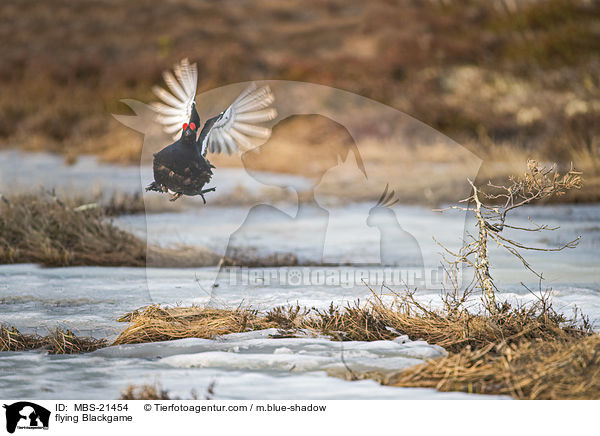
(96, 377)
(30, 171)
(248, 365)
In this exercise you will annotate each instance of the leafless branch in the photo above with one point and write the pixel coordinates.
(537, 183)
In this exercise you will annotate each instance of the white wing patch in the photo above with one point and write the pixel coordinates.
(177, 106)
(235, 127)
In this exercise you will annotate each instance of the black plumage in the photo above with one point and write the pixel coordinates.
(180, 167)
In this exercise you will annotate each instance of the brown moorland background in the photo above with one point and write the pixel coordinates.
(507, 79)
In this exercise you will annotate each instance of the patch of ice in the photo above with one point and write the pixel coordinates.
(96, 377)
(256, 351)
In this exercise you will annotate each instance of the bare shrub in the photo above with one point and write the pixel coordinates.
(491, 209)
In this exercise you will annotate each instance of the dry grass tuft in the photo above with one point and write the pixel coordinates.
(350, 323)
(145, 392)
(156, 392)
(550, 369)
(58, 341)
(155, 323)
(370, 321)
(43, 229)
(527, 352)
(121, 204)
(456, 330)
(62, 341)
(12, 339)
(250, 257)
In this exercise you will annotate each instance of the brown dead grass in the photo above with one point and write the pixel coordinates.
(156, 392)
(117, 204)
(41, 228)
(455, 330)
(526, 352)
(145, 392)
(543, 370)
(358, 321)
(58, 341)
(153, 324)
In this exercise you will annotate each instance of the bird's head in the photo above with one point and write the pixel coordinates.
(189, 132)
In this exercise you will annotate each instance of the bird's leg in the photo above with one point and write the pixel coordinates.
(154, 187)
(204, 192)
(157, 187)
(175, 196)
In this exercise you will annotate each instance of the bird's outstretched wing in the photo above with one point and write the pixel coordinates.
(177, 106)
(235, 127)
(231, 130)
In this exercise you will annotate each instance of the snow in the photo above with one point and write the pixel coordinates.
(256, 351)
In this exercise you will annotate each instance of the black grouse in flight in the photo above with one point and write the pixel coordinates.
(182, 168)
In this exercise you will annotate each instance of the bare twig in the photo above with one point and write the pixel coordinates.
(538, 183)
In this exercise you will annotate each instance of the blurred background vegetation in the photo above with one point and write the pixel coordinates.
(508, 79)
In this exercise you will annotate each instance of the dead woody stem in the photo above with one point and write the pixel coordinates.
(490, 209)
(482, 261)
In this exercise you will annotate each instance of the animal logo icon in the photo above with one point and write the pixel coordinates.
(25, 414)
(292, 205)
(345, 216)
(396, 245)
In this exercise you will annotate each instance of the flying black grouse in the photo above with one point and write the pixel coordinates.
(181, 168)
